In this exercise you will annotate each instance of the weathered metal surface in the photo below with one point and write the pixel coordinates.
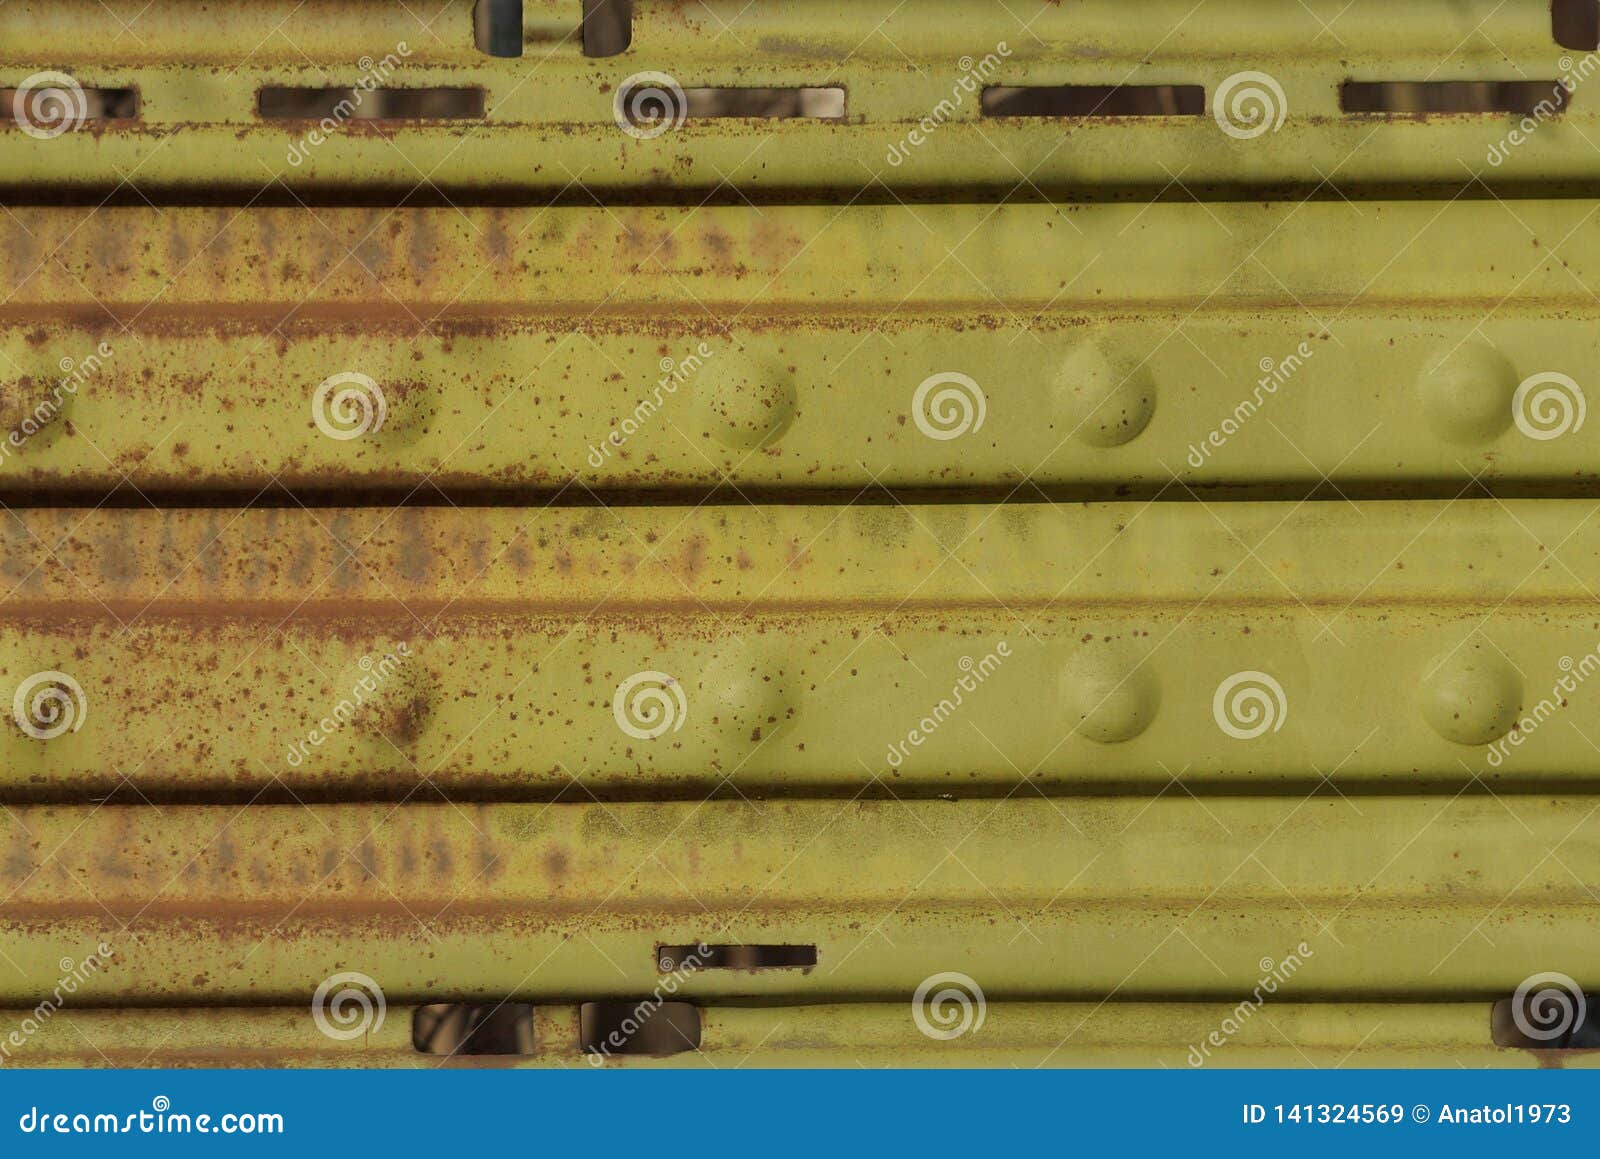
(1128, 1034)
(912, 73)
(1380, 898)
(964, 679)
(869, 649)
(1092, 350)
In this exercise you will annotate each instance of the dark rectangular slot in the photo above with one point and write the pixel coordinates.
(463, 1028)
(655, 105)
(1576, 24)
(497, 27)
(648, 1026)
(1523, 97)
(691, 958)
(47, 107)
(772, 104)
(1094, 101)
(426, 104)
(607, 27)
(1552, 1017)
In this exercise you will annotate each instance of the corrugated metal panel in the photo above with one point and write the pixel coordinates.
(1110, 350)
(1037, 898)
(550, 113)
(805, 641)
(1028, 590)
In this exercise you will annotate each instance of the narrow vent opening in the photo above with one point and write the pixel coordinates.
(607, 27)
(1453, 96)
(55, 105)
(647, 1026)
(656, 104)
(497, 27)
(1094, 101)
(1576, 24)
(773, 104)
(768, 957)
(357, 104)
(462, 1028)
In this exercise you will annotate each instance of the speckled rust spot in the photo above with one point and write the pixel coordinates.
(555, 864)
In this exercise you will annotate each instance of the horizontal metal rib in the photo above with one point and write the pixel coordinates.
(880, 629)
(506, 706)
(1127, 1034)
(799, 349)
(1082, 899)
(912, 73)
(509, 654)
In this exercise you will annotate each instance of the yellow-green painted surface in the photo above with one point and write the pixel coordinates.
(1124, 590)
(1121, 1034)
(1377, 898)
(869, 649)
(907, 69)
(1090, 351)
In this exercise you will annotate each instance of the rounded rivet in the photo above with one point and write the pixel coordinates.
(1109, 696)
(747, 692)
(35, 411)
(401, 696)
(744, 402)
(1104, 399)
(1466, 393)
(1471, 696)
